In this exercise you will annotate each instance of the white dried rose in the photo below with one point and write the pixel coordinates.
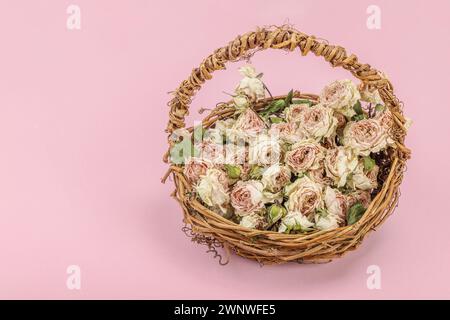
(287, 132)
(248, 71)
(213, 189)
(252, 221)
(247, 197)
(295, 221)
(366, 136)
(318, 122)
(326, 221)
(364, 180)
(336, 204)
(305, 196)
(264, 150)
(340, 95)
(224, 125)
(305, 155)
(241, 102)
(276, 177)
(371, 96)
(251, 85)
(293, 112)
(339, 163)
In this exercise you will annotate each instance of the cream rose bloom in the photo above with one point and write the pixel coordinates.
(339, 163)
(264, 150)
(364, 180)
(241, 102)
(276, 177)
(247, 197)
(251, 85)
(336, 203)
(252, 221)
(305, 196)
(341, 95)
(249, 123)
(371, 96)
(293, 112)
(326, 221)
(287, 132)
(224, 125)
(235, 154)
(318, 122)
(295, 221)
(366, 136)
(305, 155)
(213, 189)
(194, 168)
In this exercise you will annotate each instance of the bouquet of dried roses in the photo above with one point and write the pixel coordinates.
(287, 178)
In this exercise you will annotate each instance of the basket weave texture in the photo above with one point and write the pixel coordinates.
(268, 247)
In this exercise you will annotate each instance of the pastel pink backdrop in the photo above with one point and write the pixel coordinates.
(82, 119)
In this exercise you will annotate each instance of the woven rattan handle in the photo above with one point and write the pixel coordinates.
(278, 38)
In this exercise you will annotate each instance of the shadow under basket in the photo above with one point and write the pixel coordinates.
(269, 247)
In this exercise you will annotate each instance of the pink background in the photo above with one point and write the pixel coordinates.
(82, 119)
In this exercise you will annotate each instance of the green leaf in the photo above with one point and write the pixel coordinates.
(379, 108)
(355, 213)
(302, 101)
(357, 107)
(322, 212)
(289, 97)
(369, 163)
(255, 172)
(276, 119)
(273, 107)
(359, 117)
(234, 172)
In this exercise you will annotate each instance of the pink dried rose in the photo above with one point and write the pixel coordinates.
(319, 176)
(360, 196)
(366, 136)
(305, 196)
(286, 132)
(336, 204)
(294, 111)
(305, 155)
(317, 122)
(211, 151)
(247, 197)
(340, 162)
(341, 96)
(250, 123)
(195, 168)
(264, 150)
(276, 177)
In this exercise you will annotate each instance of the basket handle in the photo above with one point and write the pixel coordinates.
(283, 37)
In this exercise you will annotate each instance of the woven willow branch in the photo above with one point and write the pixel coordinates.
(268, 247)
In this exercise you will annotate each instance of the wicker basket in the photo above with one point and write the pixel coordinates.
(268, 247)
